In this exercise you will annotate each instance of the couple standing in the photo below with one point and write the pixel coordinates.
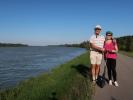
(103, 46)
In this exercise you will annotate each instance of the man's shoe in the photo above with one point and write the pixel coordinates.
(94, 82)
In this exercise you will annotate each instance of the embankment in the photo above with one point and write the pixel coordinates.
(69, 81)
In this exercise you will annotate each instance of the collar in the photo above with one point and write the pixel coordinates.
(97, 35)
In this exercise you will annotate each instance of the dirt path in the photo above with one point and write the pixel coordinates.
(125, 79)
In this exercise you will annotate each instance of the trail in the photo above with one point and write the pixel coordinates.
(125, 80)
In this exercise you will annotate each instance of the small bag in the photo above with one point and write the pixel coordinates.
(101, 81)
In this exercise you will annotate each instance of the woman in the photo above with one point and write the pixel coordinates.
(111, 49)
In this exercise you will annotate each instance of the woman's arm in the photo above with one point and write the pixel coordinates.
(116, 48)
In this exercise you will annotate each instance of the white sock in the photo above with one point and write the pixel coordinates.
(93, 78)
(96, 76)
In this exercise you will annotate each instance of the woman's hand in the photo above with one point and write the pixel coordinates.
(114, 51)
(111, 51)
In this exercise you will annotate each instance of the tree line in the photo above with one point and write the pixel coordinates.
(125, 43)
(12, 45)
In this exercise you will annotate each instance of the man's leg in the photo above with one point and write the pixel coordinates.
(93, 64)
(93, 72)
(98, 63)
(97, 70)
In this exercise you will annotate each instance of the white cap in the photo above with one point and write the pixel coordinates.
(98, 27)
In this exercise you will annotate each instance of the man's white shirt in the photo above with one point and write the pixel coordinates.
(97, 41)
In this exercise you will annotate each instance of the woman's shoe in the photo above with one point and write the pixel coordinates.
(116, 83)
(110, 82)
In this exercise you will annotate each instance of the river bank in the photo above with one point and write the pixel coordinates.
(69, 81)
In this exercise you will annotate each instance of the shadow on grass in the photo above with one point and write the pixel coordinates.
(83, 70)
(53, 96)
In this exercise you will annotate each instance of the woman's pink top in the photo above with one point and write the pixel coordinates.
(110, 47)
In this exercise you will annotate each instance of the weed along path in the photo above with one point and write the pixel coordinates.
(125, 79)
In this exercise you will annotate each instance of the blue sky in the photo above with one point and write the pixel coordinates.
(43, 22)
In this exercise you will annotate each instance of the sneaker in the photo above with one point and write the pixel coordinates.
(116, 83)
(110, 82)
(94, 82)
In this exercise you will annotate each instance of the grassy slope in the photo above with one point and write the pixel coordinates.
(130, 54)
(69, 81)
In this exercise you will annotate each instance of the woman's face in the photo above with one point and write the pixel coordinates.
(109, 36)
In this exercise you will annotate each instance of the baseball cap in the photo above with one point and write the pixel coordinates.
(109, 33)
(98, 27)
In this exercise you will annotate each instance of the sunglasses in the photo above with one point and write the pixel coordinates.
(109, 35)
(97, 29)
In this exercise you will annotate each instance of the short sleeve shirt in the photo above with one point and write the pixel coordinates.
(97, 41)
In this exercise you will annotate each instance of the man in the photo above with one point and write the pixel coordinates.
(96, 50)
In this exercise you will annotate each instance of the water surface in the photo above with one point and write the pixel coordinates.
(19, 63)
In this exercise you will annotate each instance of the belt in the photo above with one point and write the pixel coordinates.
(96, 51)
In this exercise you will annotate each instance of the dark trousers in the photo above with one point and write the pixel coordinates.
(111, 66)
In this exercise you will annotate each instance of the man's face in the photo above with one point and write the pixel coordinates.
(97, 31)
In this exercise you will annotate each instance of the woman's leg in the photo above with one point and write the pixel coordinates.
(109, 69)
(113, 67)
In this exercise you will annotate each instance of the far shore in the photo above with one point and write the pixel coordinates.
(13, 45)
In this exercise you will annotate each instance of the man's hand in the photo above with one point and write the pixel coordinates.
(97, 48)
(102, 49)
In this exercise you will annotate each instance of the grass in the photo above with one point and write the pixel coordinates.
(69, 81)
(130, 54)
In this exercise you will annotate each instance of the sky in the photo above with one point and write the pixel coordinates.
(50, 22)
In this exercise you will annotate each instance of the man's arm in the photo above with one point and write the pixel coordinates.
(95, 47)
